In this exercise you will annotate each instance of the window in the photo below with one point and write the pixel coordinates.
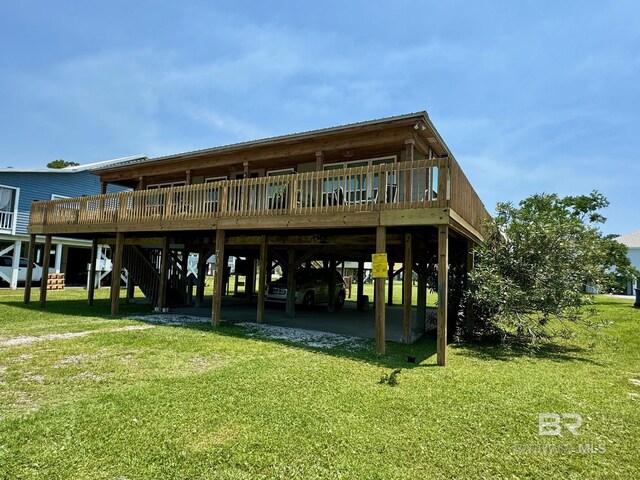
(360, 188)
(211, 203)
(278, 190)
(8, 207)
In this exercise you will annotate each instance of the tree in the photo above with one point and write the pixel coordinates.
(537, 259)
(61, 164)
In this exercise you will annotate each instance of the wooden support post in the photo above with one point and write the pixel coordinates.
(218, 279)
(262, 279)
(45, 271)
(189, 177)
(30, 259)
(443, 285)
(331, 307)
(381, 246)
(116, 272)
(164, 273)
(319, 168)
(407, 289)
(469, 304)
(390, 284)
(91, 284)
(291, 284)
(360, 280)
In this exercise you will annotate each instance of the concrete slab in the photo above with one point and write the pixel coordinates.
(347, 321)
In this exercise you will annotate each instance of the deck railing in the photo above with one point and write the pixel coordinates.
(6, 220)
(417, 184)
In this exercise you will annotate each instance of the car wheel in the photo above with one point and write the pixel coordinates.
(308, 300)
(340, 299)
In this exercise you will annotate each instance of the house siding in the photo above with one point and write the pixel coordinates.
(41, 185)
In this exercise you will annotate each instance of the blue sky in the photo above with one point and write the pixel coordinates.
(531, 96)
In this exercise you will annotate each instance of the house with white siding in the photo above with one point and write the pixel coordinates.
(20, 187)
(632, 242)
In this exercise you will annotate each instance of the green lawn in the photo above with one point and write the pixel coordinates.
(124, 399)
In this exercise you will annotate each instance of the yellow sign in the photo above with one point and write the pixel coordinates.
(379, 265)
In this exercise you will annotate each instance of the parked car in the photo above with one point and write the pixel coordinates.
(312, 288)
(6, 269)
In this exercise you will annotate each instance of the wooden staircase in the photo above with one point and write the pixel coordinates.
(144, 266)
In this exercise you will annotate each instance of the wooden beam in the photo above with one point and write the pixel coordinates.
(133, 240)
(30, 259)
(218, 280)
(164, 273)
(115, 273)
(407, 290)
(91, 286)
(360, 291)
(291, 284)
(381, 233)
(46, 257)
(314, 240)
(443, 286)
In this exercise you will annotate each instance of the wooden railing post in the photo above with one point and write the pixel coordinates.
(218, 279)
(443, 183)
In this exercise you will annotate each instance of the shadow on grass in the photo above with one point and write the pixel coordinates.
(397, 354)
(547, 351)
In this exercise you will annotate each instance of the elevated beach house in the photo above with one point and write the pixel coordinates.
(388, 186)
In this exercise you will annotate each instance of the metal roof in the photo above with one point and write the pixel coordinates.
(281, 138)
(631, 240)
(77, 168)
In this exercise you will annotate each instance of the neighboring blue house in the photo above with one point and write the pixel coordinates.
(18, 188)
(632, 242)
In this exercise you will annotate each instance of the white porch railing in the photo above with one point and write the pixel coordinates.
(6, 220)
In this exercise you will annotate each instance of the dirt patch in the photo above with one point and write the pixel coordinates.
(86, 376)
(310, 338)
(33, 378)
(26, 340)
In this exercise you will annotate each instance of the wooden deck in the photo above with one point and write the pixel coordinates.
(423, 192)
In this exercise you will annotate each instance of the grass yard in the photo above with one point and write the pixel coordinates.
(83, 395)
